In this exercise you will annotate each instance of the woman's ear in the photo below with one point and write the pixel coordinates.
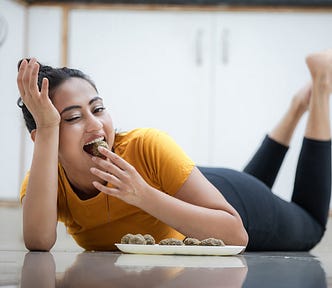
(33, 135)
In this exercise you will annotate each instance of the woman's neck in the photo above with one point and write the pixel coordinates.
(83, 195)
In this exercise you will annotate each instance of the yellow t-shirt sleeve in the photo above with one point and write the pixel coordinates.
(24, 185)
(166, 160)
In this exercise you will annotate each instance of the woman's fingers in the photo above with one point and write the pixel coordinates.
(37, 101)
(115, 159)
(30, 76)
(107, 190)
(44, 89)
(126, 183)
(20, 74)
(108, 166)
(106, 176)
(115, 164)
(27, 80)
(33, 85)
(116, 184)
(120, 174)
(27, 76)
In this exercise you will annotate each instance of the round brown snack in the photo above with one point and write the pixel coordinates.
(191, 241)
(212, 242)
(171, 241)
(95, 146)
(125, 238)
(137, 239)
(149, 239)
(92, 148)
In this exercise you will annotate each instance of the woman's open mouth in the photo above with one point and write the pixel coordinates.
(92, 147)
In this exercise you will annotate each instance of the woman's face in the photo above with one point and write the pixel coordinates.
(83, 119)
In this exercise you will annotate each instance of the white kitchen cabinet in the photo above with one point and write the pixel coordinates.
(12, 16)
(216, 81)
(260, 64)
(25, 37)
(151, 67)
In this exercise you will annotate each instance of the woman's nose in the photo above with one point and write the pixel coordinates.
(93, 123)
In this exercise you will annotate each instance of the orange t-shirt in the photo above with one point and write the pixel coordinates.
(100, 222)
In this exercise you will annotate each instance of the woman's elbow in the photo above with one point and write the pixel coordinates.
(39, 243)
(243, 237)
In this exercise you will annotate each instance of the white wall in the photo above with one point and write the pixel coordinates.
(31, 32)
(43, 43)
(10, 119)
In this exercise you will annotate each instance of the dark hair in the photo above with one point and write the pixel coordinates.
(55, 76)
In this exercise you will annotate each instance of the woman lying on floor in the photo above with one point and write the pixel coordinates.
(145, 183)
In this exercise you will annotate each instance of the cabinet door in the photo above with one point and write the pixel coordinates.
(260, 64)
(11, 50)
(152, 69)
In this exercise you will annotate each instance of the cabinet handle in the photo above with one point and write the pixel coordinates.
(199, 47)
(3, 29)
(224, 46)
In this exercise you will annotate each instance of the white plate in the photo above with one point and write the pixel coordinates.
(180, 250)
(193, 261)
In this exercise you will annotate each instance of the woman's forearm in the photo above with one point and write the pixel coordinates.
(196, 221)
(40, 201)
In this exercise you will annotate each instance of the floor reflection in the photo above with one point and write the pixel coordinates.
(116, 270)
(284, 270)
(102, 269)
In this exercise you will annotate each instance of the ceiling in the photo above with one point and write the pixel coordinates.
(303, 3)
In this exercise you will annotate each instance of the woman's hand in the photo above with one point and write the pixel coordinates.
(126, 183)
(37, 102)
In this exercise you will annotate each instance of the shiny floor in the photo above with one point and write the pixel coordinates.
(69, 266)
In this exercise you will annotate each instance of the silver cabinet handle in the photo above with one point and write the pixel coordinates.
(199, 47)
(3, 29)
(224, 46)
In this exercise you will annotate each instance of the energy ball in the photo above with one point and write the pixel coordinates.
(149, 239)
(125, 238)
(212, 242)
(191, 241)
(137, 239)
(171, 241)
(95, 146)
(92, 147)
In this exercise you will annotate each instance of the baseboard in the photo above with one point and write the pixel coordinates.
(16, 203)
(10, 203)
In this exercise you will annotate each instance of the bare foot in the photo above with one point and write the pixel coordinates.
(320, 66)
(318, 124)
(283, 131)
(301, 99)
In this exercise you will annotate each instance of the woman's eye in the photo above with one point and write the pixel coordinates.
(99, 109)
(72, 119)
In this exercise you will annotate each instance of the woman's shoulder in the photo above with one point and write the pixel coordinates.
(138, 134)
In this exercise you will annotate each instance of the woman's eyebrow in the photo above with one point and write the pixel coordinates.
(95, 99)
(70, 108)
(78, 106)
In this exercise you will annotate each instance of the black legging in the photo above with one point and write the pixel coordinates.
(271, 222)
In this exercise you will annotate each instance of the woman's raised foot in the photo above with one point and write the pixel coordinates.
(320, 66)
(301, 99)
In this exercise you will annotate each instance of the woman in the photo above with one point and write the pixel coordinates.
(146, 184)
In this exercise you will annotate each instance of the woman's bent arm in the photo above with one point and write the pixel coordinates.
(197, 210)
(40, 201)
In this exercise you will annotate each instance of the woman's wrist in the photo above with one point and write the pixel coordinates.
(50, 125)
